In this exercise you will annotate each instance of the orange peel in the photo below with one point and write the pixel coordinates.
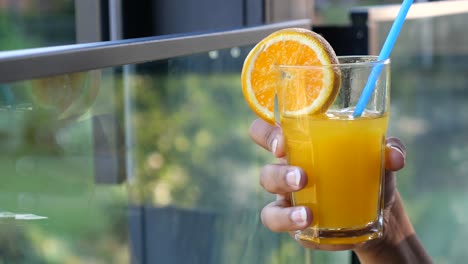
(293, 46)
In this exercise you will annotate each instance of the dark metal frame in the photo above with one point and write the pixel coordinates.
(89, 17)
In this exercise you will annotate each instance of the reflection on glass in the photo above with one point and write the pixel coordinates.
(195, 167)
(52, 210)
(146, 163)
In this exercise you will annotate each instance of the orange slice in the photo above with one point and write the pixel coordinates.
(292, 46)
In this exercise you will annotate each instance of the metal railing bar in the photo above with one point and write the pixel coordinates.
(41, 62)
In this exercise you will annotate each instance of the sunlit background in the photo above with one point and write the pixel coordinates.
(152, 161)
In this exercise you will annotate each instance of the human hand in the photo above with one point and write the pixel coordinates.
(282, 179)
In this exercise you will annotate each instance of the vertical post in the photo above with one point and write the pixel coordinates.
(88, 20)
(93, 18)
(136, 212)
(115, 19)
(280, 10)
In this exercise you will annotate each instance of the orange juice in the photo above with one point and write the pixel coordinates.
(343, 158)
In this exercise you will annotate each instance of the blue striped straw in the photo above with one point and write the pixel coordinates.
(384, 54)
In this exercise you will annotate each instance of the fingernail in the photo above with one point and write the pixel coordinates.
(299, 216)
(398, 149)
(293, 178)
(274, 144)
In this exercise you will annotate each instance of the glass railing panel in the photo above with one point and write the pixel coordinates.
(429, 106)
(55, 209)
(193, 164)
(142, 163)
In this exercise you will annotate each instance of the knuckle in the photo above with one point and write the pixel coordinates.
(261, 133)
(254, 128)
(265, 222)
(270, 178)
(270, 219)
(273, 226)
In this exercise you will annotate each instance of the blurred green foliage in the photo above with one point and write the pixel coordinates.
(32, 24)
(191, 151)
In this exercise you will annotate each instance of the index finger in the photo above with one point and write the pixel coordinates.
(268, 136)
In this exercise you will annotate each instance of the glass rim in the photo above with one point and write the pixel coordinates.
(374, 61)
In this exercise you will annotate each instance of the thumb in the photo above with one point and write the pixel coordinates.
(395, 154)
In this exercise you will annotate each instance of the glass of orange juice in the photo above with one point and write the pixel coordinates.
(343, 155)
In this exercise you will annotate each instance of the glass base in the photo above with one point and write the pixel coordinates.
(342, 236)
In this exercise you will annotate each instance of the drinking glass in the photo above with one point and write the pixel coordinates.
(343, 155)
